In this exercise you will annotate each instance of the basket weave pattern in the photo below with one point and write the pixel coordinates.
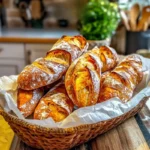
(62, 139)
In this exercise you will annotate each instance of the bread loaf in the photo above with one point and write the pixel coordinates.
(122, 81)
(28, 100)
(53, 66)
(55, 104)
(82, 79)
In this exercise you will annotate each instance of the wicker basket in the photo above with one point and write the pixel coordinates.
(61, 139)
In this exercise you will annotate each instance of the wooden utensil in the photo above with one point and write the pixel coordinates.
(133, 15)
(145, 27)
(125, 19)
(144, 18)
(147, 24)
(35, 9)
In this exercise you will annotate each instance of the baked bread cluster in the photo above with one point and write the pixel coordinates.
(70, 76)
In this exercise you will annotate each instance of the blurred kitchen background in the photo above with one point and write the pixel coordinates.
(29, 28)
(40, 13)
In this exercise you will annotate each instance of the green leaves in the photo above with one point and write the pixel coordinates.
(99, 19)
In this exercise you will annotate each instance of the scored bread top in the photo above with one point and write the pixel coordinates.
(75, 45)
(55, 104)
(40, 73)
(122, 81)
(52, 67)
(82, 79)
(28, 100)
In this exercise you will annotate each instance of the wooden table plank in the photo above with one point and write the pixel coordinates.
(109, 140)
(131, 135)
(126, 136)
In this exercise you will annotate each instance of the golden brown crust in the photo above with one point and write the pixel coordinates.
(122, 81)
(68, 80)
(78, 41)
(59, 56)
(53, 66)
(28, 100)
(55, 104)
(136, 63)
(40, 73)
(50, 86)
(108, 57)
(86, 81)
(82, 79)
(75, 45)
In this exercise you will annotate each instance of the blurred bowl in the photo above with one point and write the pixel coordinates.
(98, 43)
(144, 52)
(63, 23)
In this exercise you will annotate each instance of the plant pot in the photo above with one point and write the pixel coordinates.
(98, 43)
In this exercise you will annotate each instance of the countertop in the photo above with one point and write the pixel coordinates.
(35, 35)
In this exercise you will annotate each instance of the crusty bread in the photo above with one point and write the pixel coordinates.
(55, 104)
(108, 57)
(122, 81)
(82, 79)
(51, 86)
(28, 100)
(75, 45)
(53, 66)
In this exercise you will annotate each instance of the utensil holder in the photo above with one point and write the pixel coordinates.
(136, 41)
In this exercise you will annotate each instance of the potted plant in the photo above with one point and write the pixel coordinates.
(98, 21)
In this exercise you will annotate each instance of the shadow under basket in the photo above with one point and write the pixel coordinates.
(59, 138)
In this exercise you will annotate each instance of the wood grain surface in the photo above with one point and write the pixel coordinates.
(127, 136)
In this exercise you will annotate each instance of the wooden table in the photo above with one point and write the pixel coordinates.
(127, 136)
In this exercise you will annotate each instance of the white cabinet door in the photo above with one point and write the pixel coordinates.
(12, 58)
(11, 66)
(8, 70)
(34, 51)
(11, 50)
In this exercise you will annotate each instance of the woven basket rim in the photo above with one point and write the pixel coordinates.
(36, 127)
(68, 130)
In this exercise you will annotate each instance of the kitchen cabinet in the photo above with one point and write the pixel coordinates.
(20, 47)
(11, 66)
(12, 58)
(34, 51)
(11, 50)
